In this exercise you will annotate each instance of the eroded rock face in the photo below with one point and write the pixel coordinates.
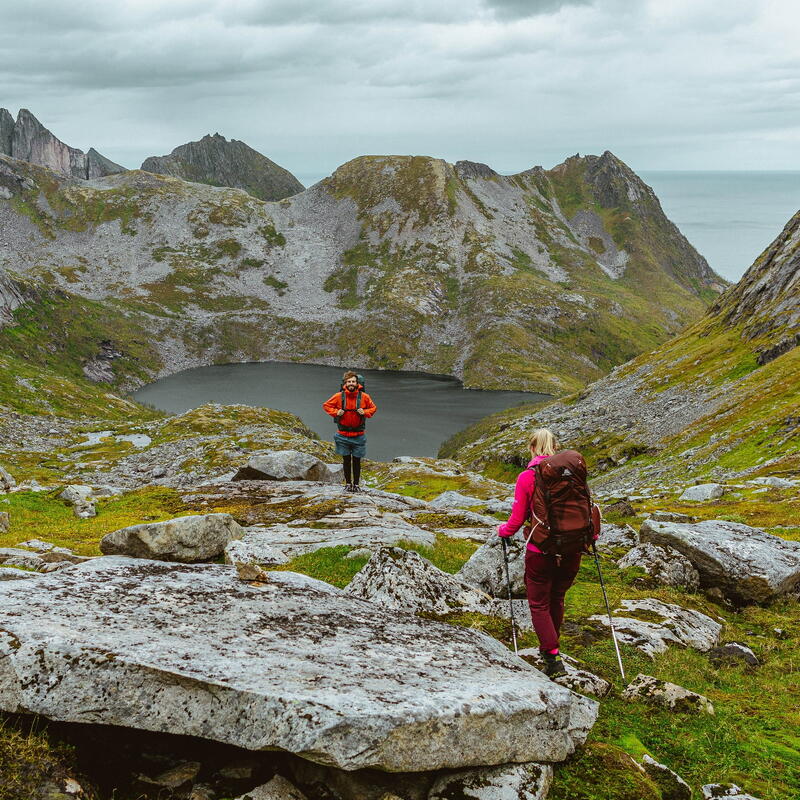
(486, 567)
(664, 564)
(513, 781)
(285, 465)
(667, 695)
(294, 664)
(403, 579)
(746, 564)
(184, 539)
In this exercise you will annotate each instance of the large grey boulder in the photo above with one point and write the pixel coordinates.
(7, 483)
(663, 564)
(285, 465)
(703, 492)
(652, 626)
(616, 536)
(451, 499)
(403, 579)
(746, 564)
(281, 543)
(291, 664)
(512, 781)
(184, 539)
(486, 567)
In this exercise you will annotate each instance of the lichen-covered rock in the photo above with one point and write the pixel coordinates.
(404, 580)
(183, 539)
(5, 522)
(673, 626)
(577, 679)
(746, 564)
(285, 465)
(670, 516)
(486, 567)
(713, 791)
(76, 493)
(452, 499)
(293, 664)
(663, 564)
(703, 492)
(512, 781)
(616, 536)
(667, 695)
(671, 785)
(733, 653)
(16, 557)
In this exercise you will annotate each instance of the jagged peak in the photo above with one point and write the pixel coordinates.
(474, 169)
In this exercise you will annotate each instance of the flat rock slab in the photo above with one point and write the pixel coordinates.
(667, 695)
(703, 492)
(746, 564)
(279, 544)
(292, 664)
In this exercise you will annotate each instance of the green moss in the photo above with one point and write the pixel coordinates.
(278, 285)
(271, 236)
(252, 263)
(329, 564)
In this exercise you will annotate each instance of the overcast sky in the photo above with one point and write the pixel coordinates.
(674, 84)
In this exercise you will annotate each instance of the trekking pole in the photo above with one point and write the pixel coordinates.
(608, 609)
(510, 601)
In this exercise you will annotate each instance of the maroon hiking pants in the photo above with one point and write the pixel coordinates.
(547, 582)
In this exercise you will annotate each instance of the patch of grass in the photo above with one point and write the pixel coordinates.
(449, 555)
(271, 236)
(278, 285)
(252, 263)
(329, 564)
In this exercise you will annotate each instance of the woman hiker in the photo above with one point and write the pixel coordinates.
(350, 408)
(547, 578)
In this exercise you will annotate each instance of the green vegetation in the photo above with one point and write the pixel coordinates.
(278, 285)
(272, 236)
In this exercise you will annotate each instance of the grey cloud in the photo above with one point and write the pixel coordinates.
(520, 9)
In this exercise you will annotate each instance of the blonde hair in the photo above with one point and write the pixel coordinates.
(543, 443)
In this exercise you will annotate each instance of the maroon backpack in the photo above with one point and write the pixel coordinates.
(564, 520)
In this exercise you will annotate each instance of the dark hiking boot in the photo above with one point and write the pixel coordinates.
(349, 487)
(553, 665)
(356, 488)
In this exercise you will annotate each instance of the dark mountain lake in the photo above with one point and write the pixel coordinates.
(416, 412)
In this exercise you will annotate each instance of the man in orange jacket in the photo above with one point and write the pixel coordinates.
(350, 408)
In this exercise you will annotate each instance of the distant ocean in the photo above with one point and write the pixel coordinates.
(729, 217)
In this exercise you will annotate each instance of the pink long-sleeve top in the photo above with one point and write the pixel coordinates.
(521, 510)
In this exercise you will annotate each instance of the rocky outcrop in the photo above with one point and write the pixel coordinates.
(746, 564)
(670, 784)
(219, 162)
(402, 579)
(486, 568)
(184, 539)
(30, 141)
(293, 664)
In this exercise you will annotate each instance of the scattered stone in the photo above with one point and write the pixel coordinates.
(251, 573)
(359, 552)
(747, 564)
(277, 789)
(486, 567)
(712, 791)
(733, 653)
(780, 633)
(404, 580)
(518, 781)
(76, 493)
(281, 543)
(667, 695)
(7, 483)
(294, 664)
(451, 499)
(158, 472)
(284, 465)
(5, 522)
(201, 791)
(703, 492)
(15, 557)
(676, 626)
(664, 565)
(621, 507)
(184, 539)
(9, 573)
(175, 777)
(577, 679)
(669, 783)
(773, 482)
(670, 516)
(84, 510)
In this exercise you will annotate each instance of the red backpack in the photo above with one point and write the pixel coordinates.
(564, 521)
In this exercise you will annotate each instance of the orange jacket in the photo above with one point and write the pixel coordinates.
(351, 418)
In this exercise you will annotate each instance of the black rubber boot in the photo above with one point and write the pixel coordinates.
(553, 665)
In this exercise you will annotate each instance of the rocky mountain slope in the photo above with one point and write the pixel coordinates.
(27, 139)
(721, 400)
(543, 280)
(218, 162)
